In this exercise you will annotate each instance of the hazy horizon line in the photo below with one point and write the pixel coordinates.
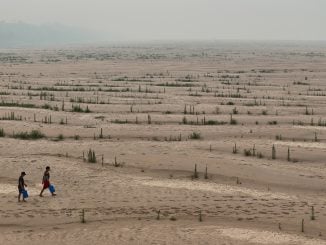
(112, 38)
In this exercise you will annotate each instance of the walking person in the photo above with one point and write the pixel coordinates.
(21, 186)
(46, 181)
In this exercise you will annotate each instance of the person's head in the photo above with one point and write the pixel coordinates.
(23, 174)
(47, 168)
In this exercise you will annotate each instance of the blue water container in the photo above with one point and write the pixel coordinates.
(51, 188)
(25, 194)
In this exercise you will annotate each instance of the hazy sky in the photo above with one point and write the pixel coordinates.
(179, 19)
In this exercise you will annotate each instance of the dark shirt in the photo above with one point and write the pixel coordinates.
(21, 182)
(46, 176)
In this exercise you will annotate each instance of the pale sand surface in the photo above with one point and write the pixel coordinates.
(150, 232)
(243, 200)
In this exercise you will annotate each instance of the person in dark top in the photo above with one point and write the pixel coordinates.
(21, 186)
(46, 181)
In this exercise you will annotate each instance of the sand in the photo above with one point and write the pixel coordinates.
(142, 188)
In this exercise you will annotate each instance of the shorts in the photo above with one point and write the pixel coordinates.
(20, 190)
(46, 184)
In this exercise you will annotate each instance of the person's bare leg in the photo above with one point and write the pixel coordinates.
(53, 194)
(19, 197)
(41, 194)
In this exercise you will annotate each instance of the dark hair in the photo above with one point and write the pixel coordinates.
(23, 173)
(47, 168)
